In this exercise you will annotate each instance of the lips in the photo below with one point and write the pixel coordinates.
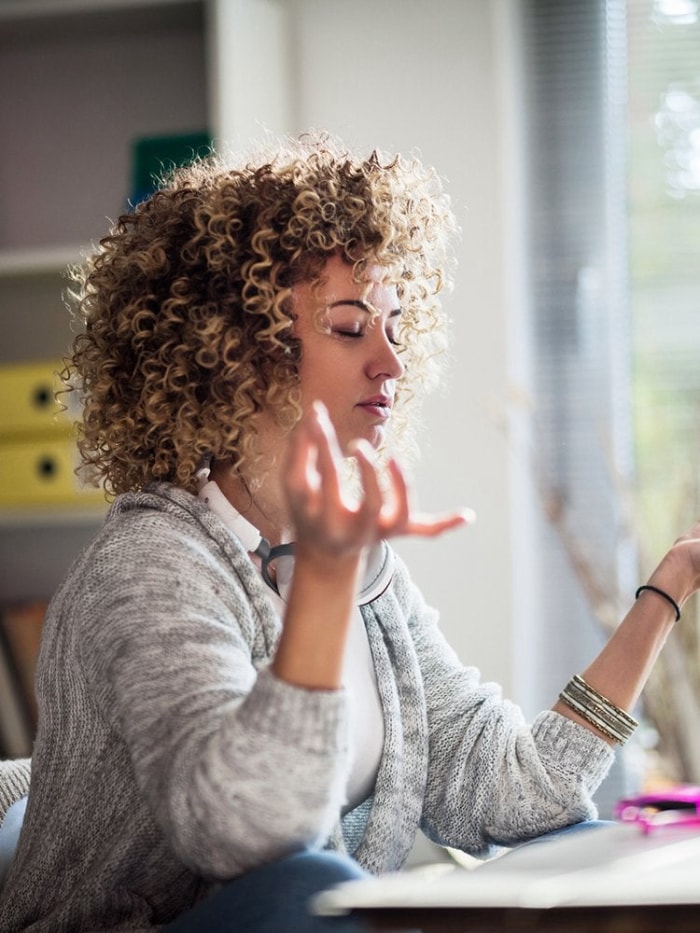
(378, 405)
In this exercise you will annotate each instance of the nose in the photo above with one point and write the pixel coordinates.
(384, 360)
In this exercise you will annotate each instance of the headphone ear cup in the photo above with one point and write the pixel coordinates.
(381, 563)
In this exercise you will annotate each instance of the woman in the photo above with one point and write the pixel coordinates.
(225, 728)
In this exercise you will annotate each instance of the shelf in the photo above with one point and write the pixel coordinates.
(37, 550)
(27, 9)
(39, 260)
(43, 517)
(83, 14)
(83, 81)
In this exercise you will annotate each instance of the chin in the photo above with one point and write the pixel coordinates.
(374, 439)
(377, 438)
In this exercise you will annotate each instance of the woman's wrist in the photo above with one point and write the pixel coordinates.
(326, 568)
(660, 593)
(674, 578)
(317, 619)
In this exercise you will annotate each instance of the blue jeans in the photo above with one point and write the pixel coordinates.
(274, 899)
(566, 831)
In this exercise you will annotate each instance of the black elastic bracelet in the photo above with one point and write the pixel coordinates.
(655, 589)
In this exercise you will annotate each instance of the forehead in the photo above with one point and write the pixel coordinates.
(373, 283)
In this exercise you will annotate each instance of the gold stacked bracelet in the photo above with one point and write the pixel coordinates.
(596, 709)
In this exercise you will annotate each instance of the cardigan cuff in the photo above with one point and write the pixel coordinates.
(578, 749)
(315, 721)
(14, 782)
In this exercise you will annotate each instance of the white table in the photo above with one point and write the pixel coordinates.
(614, 878)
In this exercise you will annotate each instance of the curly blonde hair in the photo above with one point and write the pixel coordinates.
(186, 306)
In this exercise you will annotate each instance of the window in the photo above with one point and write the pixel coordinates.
(612, 95)
(663, 185)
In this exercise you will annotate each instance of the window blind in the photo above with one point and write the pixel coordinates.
(575, 80)
(576, 249)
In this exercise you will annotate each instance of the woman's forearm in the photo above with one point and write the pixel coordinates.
(622, 668)
(321, 602)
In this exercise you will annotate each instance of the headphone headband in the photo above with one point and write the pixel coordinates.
(380, 560)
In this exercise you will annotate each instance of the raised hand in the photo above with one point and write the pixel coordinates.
(678, 573)
(323, 514)
(331, 535)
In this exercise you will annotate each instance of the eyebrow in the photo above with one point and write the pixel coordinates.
(357, 303)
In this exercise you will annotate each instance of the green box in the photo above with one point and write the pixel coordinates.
(153, 156)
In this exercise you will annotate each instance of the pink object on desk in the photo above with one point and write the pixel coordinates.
(676, 806)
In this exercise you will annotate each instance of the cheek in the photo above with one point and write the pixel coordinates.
(320, 378)
(320, 364)
(313, 376)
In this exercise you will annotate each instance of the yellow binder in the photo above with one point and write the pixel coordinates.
(27, 400)
(42, 472)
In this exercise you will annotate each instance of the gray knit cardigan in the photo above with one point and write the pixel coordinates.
(169, 758)
(14, 783)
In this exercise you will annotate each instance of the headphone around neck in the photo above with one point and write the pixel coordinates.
(379, 570)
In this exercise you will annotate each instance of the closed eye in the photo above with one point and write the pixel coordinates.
(357, 328)
(355, 334)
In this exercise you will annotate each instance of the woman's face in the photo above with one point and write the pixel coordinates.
(350, 362)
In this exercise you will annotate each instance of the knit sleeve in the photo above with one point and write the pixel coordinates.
(14, 782)
(237, 767)
(494, 779)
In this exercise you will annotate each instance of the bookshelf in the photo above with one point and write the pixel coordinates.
(81, 82)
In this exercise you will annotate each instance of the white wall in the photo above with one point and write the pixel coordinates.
(436, 76)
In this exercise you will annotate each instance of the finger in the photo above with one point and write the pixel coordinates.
(322, 421)
(429, 526)
(328, 455)
(372, 500)
(301, 476)
(396, 513)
